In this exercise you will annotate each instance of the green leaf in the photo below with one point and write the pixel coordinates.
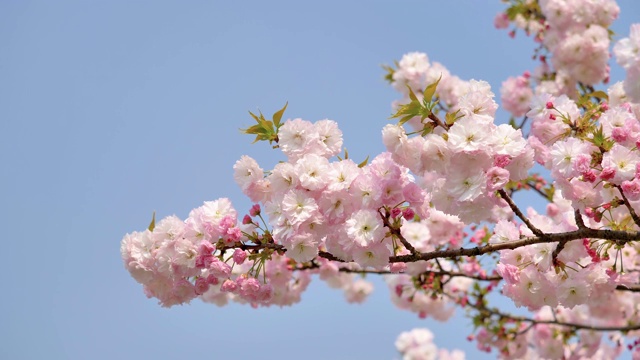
(405, 119)
(152, 225)
(412, 95)
(255, 117)
(598, 137)
(255, 129)
(451, 118)
(411, 109)
(364, 163)
(264, 122)
(431, 90)
(428, 128)
(512, 12)
(600, 95)
(278, 115)
(389, 75)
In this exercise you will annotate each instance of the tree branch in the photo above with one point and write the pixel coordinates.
(439, 122)
(576, 326)
(615, 235)
(534, 188)
(314, 265)
(395, 232)
(519, 213)
(634, 216)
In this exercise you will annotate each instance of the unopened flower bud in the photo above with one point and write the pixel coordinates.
(239, 256)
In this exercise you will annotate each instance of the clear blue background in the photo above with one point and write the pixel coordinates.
(110, 110)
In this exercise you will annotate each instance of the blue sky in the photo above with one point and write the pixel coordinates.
(112, 110)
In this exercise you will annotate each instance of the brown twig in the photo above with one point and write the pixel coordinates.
(395, 232)
(634, 216)
(616, 235)
(439, 122)
(519, 213)
(575, 326)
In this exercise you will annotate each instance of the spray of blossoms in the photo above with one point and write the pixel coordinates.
(436, 213)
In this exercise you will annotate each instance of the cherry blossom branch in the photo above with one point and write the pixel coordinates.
(562, 243)
(395, 232)
(519, 213)
(615, 235)
(631, 288)
(534, 188)
(439, 122)
(524, 121)
(279, 248)
(314, 265)
(634, 216)
(578, 218)
(563, 239)
(329, 256)
(487, 311)
(620, 237)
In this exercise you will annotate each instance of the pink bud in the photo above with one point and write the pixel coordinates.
(233, 234)
(249, 288)
(589, 212)
(408, 214)
(202, 285)
(200, 261)
(597, 216)
(213, 280)
(395, 212)
(608, 173)
(589, 176)
(219, 268)
(229, 286)
(239, 256)
(549, 105)
(255, 210)
(247, 220)
(206, 248)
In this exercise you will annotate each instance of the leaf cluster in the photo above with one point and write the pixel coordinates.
(417, 108)
(528, 9)
(266, 130)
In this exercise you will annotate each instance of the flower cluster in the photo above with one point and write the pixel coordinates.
(177, 261)
(463, 165)
(573, 33)
(314, 204)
